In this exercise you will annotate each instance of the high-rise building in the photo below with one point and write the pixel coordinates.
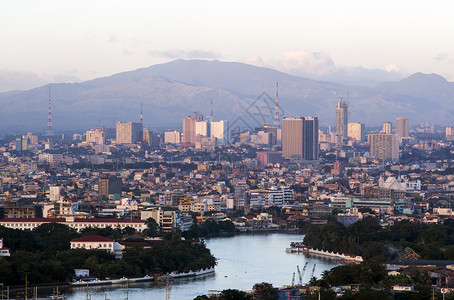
(300, 138)
(202, 128)
(449, 133)
(147, 137)
(342, 119)
(357, 131)
(310, 138)
(387, 128)
(402, 127)
(189, 130)
(384, 146)
(96, 136)
(172, 137)
(129, 133)
(221, 131)
(292, 138)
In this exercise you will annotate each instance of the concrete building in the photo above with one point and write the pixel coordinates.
(109, 185)
(147, 137)
(172, 137)
(384, 147)
(357, 131)
(221, 131)
(189, 129)
(96, 136)
(77, 224)
(300, 138)
(292, 138)
(55, 193)
(402, 127)
(202, 128)
(342, 119)
(97, 242)
(129, 133)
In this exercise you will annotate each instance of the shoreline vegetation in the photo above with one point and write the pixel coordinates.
(44, 257)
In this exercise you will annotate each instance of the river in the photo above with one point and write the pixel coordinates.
(243, 260)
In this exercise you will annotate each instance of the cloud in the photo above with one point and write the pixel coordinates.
(320, 66)
(317, 63)
(185, 54)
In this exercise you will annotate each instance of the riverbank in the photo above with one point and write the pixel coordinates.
(298, 247)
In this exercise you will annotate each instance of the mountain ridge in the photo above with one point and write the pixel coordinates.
(173, 90)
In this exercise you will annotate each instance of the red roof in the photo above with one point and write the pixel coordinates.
(63, 220)
(91, 238)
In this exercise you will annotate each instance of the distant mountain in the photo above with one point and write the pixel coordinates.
(241, 93)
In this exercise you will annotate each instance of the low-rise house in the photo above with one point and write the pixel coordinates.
(98, 242)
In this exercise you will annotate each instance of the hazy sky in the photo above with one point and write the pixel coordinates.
(52, 40)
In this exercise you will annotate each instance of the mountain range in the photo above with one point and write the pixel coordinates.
(241, 93)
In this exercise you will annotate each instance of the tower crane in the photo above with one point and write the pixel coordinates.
(313, 270)
(300, 279)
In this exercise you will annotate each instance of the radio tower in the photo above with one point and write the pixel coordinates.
(276, 112)
(50, 127)
(141, 115)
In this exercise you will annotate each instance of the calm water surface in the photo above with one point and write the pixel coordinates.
(242, 261)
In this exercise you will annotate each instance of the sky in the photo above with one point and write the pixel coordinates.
(354, 42)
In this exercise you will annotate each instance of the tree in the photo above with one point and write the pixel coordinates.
(152, 228)
(264, 291)
(234, 295)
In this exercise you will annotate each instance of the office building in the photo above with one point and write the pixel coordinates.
(342, 119)
(96, 136)
(300, 138)
(384, 147)
(310, 138)
(357, 131)
(292, 138)
(189, 129)
(402, 127)
(129, 133)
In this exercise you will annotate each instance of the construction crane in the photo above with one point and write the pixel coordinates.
(293, 279)
(313, 270)
(304, 269)
(300, 278)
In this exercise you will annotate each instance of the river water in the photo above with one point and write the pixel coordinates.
(243, 260)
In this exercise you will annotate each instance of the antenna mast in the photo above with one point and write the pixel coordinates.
(50, 127)
(141, 115)
(276, 112)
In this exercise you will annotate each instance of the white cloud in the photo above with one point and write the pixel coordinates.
(320, 66)
(317, 63)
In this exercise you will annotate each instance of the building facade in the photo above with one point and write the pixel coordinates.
(129, 133)
(357, 131)
(384, 147)
(342, 119)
